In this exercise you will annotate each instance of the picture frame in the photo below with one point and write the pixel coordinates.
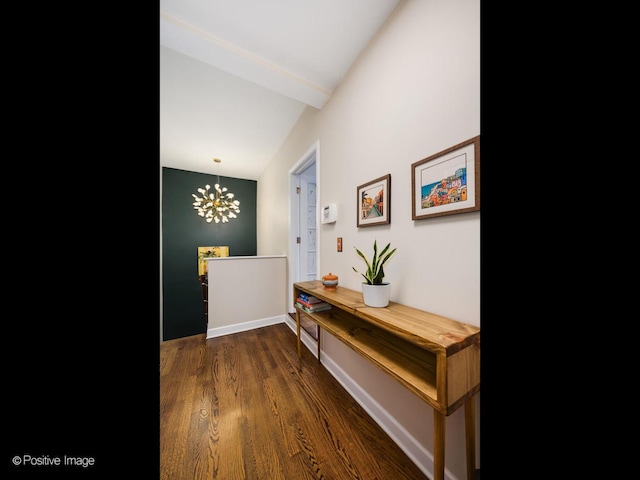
(448, 182)
(374, 202)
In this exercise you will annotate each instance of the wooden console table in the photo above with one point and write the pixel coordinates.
(435, 357)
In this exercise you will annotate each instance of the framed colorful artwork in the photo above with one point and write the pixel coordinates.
(209, 252)
(374, 202)
(448, 182)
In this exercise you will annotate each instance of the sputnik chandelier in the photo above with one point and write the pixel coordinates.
(217, 205)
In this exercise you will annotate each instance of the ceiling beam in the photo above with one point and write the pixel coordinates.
(219, 53)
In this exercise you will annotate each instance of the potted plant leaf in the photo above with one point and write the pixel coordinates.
(375, 291)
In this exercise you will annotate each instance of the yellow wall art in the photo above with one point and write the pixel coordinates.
(209, 252)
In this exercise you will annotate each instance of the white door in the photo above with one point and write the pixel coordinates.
(307, 266)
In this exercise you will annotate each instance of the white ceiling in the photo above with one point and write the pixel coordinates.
(235, 75)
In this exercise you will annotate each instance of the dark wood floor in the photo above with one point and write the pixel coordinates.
(242, 407)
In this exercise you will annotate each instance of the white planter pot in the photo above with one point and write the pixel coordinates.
(376, 295)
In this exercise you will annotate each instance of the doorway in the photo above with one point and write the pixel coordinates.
(304, 241)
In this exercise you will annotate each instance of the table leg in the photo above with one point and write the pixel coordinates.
(470, 435)
(438, 445)
(298, 334)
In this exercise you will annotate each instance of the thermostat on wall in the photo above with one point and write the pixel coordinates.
(329, 213)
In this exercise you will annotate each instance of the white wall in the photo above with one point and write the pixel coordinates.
(413, 92)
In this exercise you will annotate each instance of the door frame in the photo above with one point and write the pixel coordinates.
(311, 156)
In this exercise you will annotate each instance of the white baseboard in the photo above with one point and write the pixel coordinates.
(244, 326)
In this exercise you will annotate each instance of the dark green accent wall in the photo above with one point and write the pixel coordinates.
(183, 231)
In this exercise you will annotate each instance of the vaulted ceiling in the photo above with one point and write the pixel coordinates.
(235, 75)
